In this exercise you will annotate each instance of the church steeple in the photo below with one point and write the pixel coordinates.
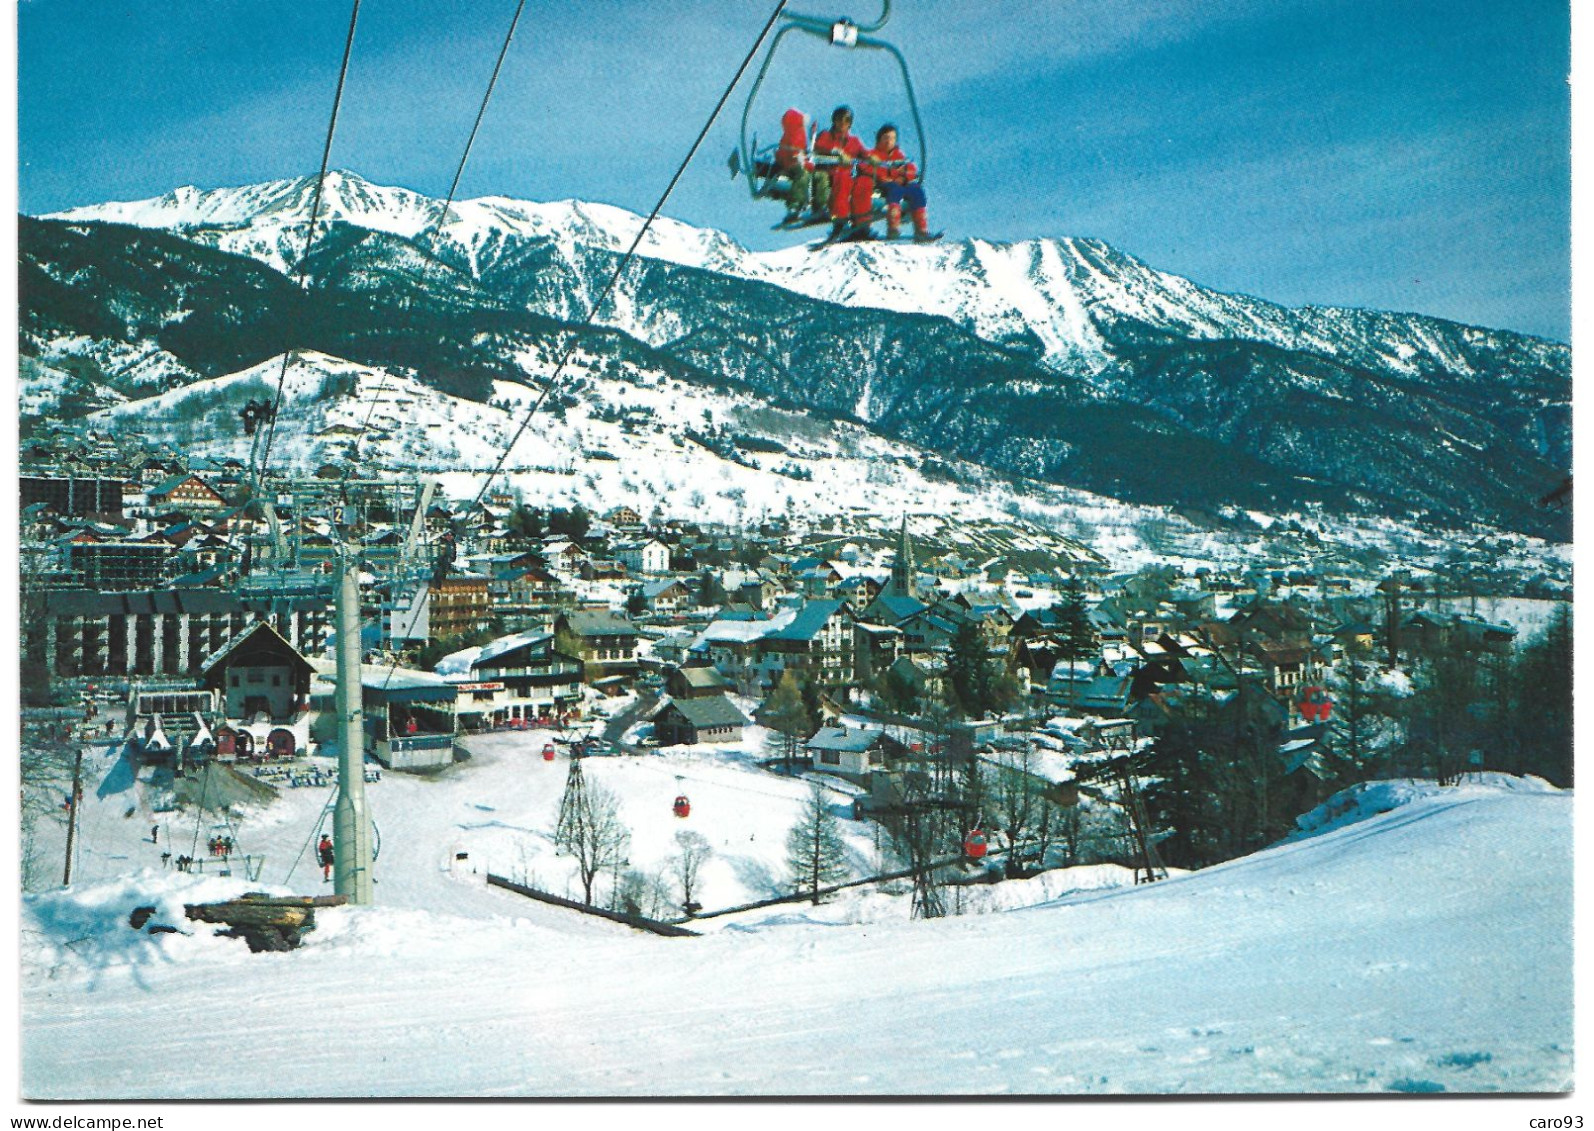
(902, 570)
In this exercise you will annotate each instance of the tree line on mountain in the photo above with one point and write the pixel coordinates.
(1185, 438)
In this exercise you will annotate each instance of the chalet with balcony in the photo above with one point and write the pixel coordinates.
(517, 678)
(185, 492)
(608, 640)
(817, 643)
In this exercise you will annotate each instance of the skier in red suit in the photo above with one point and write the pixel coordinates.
(850, 195)
(899, 184)
(809, 187)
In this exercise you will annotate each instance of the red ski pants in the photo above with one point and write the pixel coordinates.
(850, 195)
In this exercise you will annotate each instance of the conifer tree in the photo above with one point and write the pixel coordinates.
(1076, 636)
(785, 713)
(815, 854)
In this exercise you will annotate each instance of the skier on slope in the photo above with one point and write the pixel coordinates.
(325, 855)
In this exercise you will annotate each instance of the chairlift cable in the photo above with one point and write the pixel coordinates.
(257, 474)
(481, 113)
(553, 380)
(442, 213)
(199, 812)
(625, 260)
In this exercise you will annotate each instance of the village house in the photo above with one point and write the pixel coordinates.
(1089, 689)
(850, 752)
(564, 557)
(186, 493)
(875, 649)
(818, 581)
(521, 591)
(665, 596)
(1433, 633)
(607, 640)
(642, 556)
(817, 643)
(520, 677)
(696, 681)
(859, 591)
(731, 645)
(712, 718)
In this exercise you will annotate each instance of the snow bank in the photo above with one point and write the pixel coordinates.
(87, 928)
(1369, 799)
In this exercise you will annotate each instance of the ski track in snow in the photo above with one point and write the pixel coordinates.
(1366, 958)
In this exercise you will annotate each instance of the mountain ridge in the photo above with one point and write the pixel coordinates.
(1044, 343)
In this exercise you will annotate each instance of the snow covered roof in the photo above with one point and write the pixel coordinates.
(506, 644)
(847, 740)
(709, 711)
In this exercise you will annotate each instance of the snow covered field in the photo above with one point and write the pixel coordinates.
(1421, 949)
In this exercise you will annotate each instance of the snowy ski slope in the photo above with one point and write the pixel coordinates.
(1420, 949)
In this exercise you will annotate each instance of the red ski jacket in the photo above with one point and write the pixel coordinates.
(849, 146)
(793, 139)
(901, 174)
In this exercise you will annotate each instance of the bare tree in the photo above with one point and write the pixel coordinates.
(640, 893)
(1028, 822)
(594, 835)
(814, 849)
(688, 864)
(46, 779)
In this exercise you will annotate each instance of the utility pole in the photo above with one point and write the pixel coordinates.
(71, 814)
(351, 824)
(1391, 588)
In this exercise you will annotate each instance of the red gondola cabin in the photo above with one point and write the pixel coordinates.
(1315, 706)
(974, 844)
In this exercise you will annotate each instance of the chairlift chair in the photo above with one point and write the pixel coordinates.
(757, 163)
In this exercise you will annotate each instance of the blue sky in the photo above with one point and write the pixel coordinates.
(1395, 154)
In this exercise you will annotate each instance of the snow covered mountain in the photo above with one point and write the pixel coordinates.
(1062, 360)
(689, 451)
(1065, 296)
